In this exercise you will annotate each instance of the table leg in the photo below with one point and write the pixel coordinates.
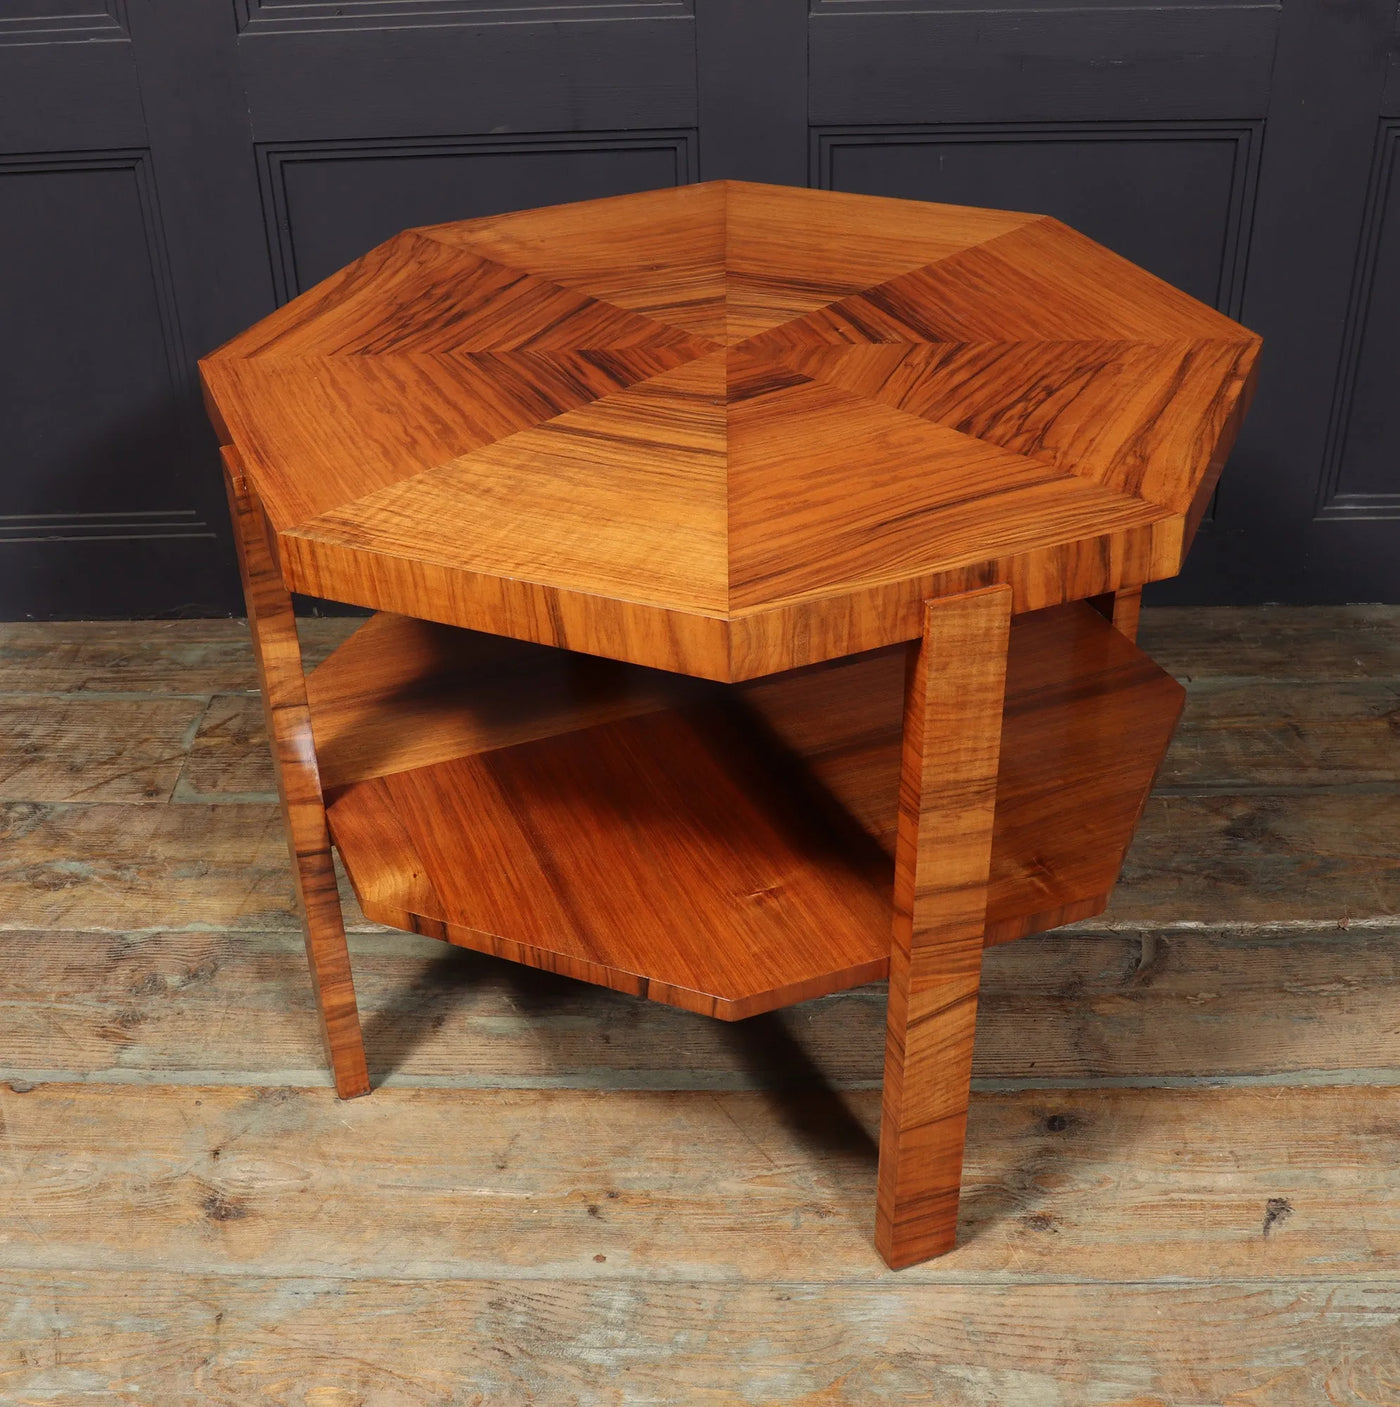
(1123, 608)
(274, 632)
(947, 801)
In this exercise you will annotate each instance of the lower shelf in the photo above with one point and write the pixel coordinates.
(726, 850)
(1087, 722)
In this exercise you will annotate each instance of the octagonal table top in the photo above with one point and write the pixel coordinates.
(728, 428)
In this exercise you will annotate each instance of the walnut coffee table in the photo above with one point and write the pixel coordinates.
(757, 572)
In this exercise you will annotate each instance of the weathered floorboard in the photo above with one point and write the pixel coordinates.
(229, 758)
(128, 869)
(1259, 735)
(150, 657)
(1300, 858)
(1143, 1006)
(715, 1186)
(1273, 642)
(93, 749)
(1252, 942)
(1252, 735)
(1200, 861)
(214, 656)
(231, 1340)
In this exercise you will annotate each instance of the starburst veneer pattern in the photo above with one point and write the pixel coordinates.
(679, 427)
(840, 507)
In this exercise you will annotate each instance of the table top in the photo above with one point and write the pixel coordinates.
(729, 429)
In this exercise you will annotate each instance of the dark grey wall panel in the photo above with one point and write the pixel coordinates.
(907, 61)
(61, 21)
(751, 61)
(1174, 197)
(62, 90)
(1390, 96)
(311, 16)
(1317, 165)
(326, 203)
(170, 168)
(96, 458)
(83, 293)
(449, 80)
(1363, 461)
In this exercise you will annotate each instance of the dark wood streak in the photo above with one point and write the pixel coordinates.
(943, 858)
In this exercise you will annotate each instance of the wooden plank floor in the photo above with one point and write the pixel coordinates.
(1183, 1181)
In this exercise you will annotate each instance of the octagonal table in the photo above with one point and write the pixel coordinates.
(756, 574)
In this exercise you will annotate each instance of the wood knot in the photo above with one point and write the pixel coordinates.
(219, 1206)
(1277, 1210)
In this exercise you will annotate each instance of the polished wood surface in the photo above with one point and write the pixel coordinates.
(283, 685)
(403, 693)
(663, 852)
(1123, 608)
(943, 855)
(1087, 720)
(731, 429)
(479, 787)
(596, 463)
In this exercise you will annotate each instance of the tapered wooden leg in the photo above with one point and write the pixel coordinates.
(283, 681)
(1123, 608)
(947, 801)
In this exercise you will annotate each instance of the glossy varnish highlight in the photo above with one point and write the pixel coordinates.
(731, 429)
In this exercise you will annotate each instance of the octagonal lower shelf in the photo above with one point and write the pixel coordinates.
(723, 849)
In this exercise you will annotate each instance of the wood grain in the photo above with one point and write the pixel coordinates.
(575, 501)
(736, 1253)
(807, 629)
(396, 299)
(730, 429)
(1239, 735)
(1127, 611)
(954, 697)
(1086, 721)
(1038, 282)
(726, 259)
(1236, 733)
(91, 749)
(479, 786)
(278, 653)
(1123, 608)
(1309, 858)
(658, 253)
(168, 657)
(1145, 1006)
(797, 528)
(787, 256)
(721, 891)
(401, 694)
(710, 1186)
(234, 1339)
(205, 657)
(1142, 418)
